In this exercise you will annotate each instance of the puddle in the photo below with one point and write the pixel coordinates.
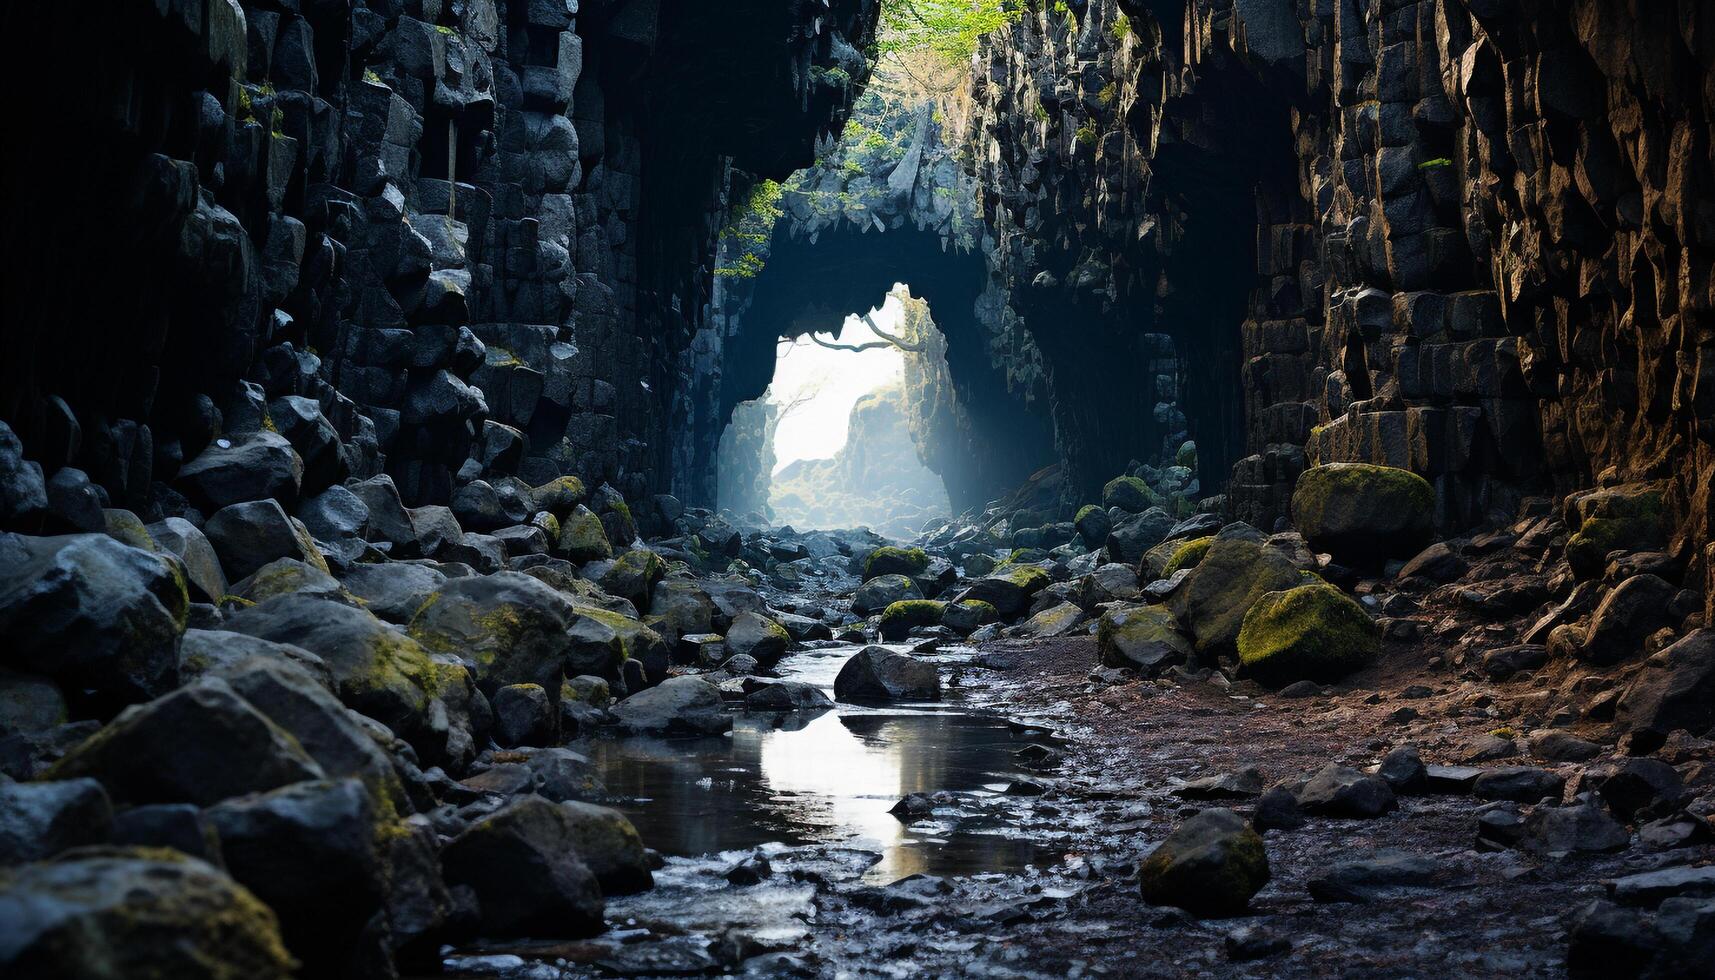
(830, 778)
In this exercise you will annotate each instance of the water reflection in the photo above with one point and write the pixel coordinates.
(827, 777)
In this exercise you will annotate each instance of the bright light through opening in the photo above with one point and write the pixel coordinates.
(815, 387)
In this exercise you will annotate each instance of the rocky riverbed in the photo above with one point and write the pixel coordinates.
(339, 736)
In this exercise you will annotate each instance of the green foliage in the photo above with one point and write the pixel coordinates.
(1437, 162)
(948, 28)
(1040, 113)
(1108, 94)
(1121, 28)
(1086, 134)
(750, 225)
(445, 31)
(370, 76)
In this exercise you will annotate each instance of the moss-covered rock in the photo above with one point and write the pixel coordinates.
(1237, 569)
(1128, 493)
(1187, 555)
(1211, 864)
(559, 496)
(119, 913)
(898, 618)
(1625, 518)
(1363, 513)
(633, 575)
(1093, 525)
(512, 626)
(1010, 589)
(1147, 639)
(888, 560)
(582, 538)
(1060, 619)
(966, 615)
(755, 635)
(882, 591)
(1312, 632)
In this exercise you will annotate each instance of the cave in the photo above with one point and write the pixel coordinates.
(858, 488)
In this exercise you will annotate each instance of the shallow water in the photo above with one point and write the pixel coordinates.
(829, 777)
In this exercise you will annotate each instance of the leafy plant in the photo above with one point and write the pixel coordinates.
(950, 28)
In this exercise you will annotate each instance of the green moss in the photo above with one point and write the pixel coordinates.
(1435, 163)
(1108, 94)
(888, 560)
(1027, 577)
(1187, 555)
(1086, 134)
(899, 617)
(1613, 522)
(1086, 511)
(1312, 632)
(1128, 493)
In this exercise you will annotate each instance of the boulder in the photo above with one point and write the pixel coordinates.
(1437, 563)
(523, 715)
(1582, 827)
(310, 850)
(207, 580)
(610, 846)
(787, 696)
(200, 744)
(1109, 583)
(598, 642)
(676, 706)
(877, 674)
(1520, 784)
(1060, 619)
(966, 615)
(682, 605)
(1093, 525)
(882, 591)
(757, 636)
(1128, 493)
(582, 538)
(39, 820)
(888, 560)
(389, 520)
(1374, 875)
(393, 590)
(1363, 513)
(1312, 632)
(632, 576)
(258, 465)
(1210, 865)
(1144, 638)
(1631, 517)
(180, 826)
(335, 513)
(249, 535)
(523, 865)
(899, 618)
(1640, 789)
(513, 628)
(1008, 589)
(1629, 613)
(1131, 537)
(92, 613)
(1675, 689)
(29, 703)
(1237, 570)
(119, 913)
(216, 652)
(23, 492)
(1341, 791)
(289, 576)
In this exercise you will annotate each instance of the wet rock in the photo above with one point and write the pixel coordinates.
(606, 644)
(1223, 786)
(523, 715)
(511, 626)
(136, 913)
(802, 629)
(254, 466)
(1108, 583)
(1640, 789)
(1060, 619)
(1128, 493)
(1489, 748)
(335, 513)
(73, 502)
(39, 820)
(967, 616)
(93, 614)
(1341, 791)
(389, 519)
(1608, 941)
(1373, 876)
(877, 674)
(1451, 780)
(1363, 513)
(1651, 888)
(753, 635)
(889, 560)
(180, 826)
(1093, 525)
(1521, 784)
(249, 535)
(1500, 826)
(683, 606)
(200, 744)
(787, 696)
(1629, 613)
(309, 850)
(1404, 771)
(289, 576)
(1250, 943)
(632, 576)
(582, 537)
(1278, 809)
(1147, 638)
(610, 846)
(393, 591)
(1678, 830)
(523, 864)
(1132, 536)
(882, 591)
(217, 652)
(678, 705)
(1581, 827)
(1312, 632)
(1211, 865)
(1009, 589)
(752, 870)
(1675, 689)
(1301, 689)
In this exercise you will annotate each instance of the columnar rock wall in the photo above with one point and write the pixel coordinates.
(448, 239)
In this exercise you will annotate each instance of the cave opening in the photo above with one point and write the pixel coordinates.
(838, 437)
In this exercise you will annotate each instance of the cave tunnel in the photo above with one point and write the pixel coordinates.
(814, 285)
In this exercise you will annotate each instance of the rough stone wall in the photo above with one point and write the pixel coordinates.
(451, 239)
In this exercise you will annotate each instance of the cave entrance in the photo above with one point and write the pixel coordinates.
(836, 440)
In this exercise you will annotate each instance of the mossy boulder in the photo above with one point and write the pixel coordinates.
(1211, 865)
(1237, 569)
(611, 846)
(510, 626)
(877, 674)
(1626, 518)
(633, 575)
(523, 865)
(966, 615)
(1093, 525)
(755, 635)
(558, 496)
(1060, 619)
(1010, 589)
(898, 618)
(1363, 513)
(602, 640)
(1128, 493)
(113, 913)
(882, 591)
(1312, 632)
(1147, 639)
(1187, 555)
(582, 537)
(888, 560)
